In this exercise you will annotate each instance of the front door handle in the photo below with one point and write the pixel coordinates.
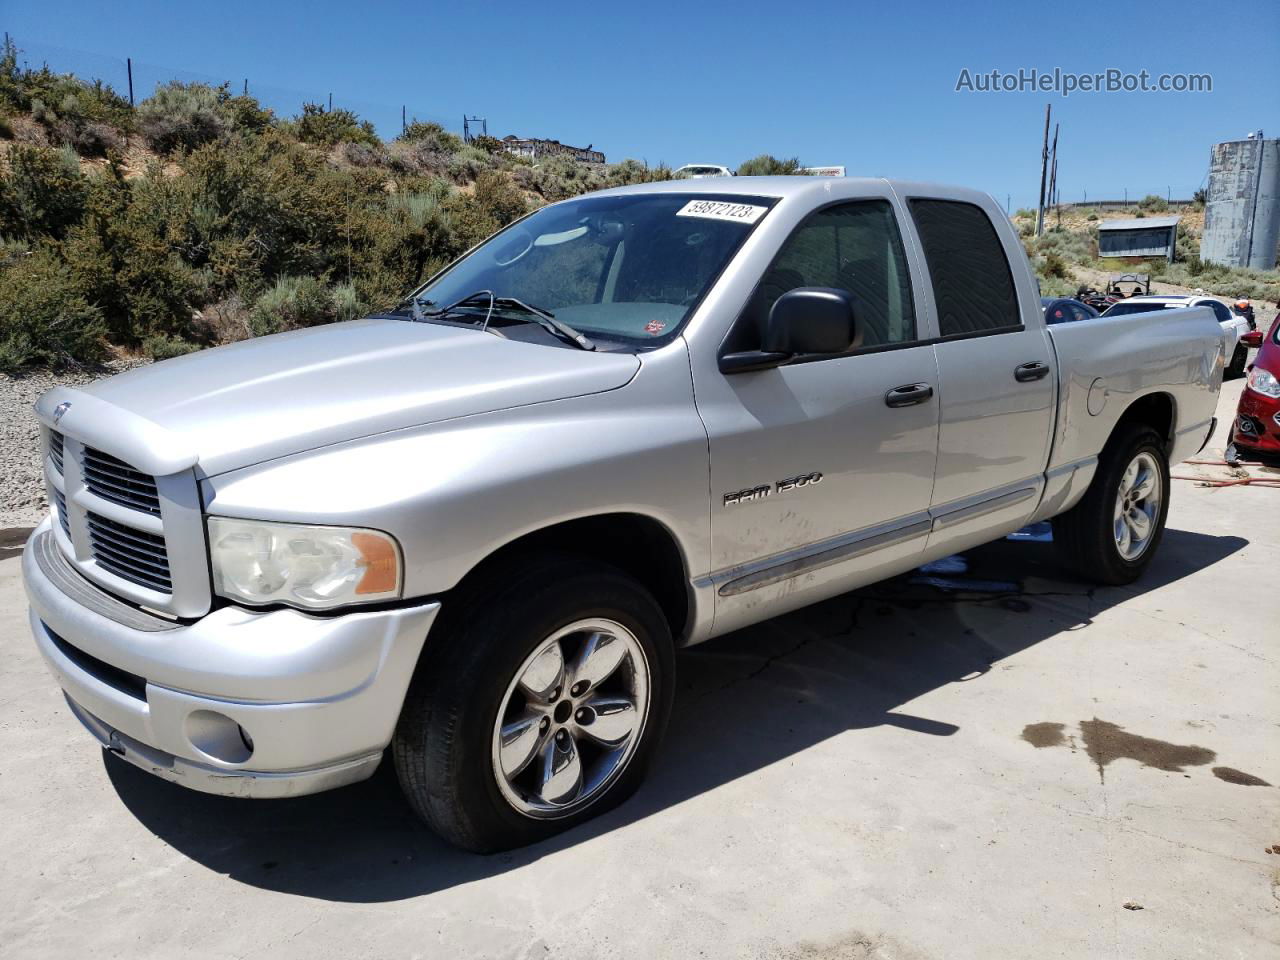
(908, 395)
(1036, 370)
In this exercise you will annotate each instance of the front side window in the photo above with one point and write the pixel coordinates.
(629, 267)
(852, 246)
(972, 284)
(1219, 311)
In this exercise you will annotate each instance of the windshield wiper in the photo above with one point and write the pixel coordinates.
(544, 318)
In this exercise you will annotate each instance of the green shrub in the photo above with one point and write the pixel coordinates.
(1152, 203)
(1055, 266)
(42, 194)
(328, 128)
(291, 303)
(767, 165)
(1023, 213)
(431, 135)
(44, 318)
(160, 346)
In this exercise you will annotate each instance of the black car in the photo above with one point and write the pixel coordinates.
(1065, 310)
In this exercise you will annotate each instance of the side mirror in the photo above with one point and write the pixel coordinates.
(1252, 339)
(807, 320)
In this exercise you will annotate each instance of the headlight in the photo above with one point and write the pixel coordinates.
(313, 567)
(1263, 382)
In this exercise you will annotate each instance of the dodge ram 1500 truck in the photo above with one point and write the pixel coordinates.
(471, 531)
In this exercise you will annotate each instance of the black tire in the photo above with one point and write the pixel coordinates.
(443, 740)
(1238, 360)
(1085, 534)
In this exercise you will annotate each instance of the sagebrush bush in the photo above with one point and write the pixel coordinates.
(184, 115)
(44, 319)
(291, 303)
(347, 304)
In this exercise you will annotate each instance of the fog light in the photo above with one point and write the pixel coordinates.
(218, 736)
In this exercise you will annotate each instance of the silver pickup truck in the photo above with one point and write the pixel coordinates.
(473, 530)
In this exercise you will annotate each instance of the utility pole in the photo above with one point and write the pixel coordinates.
(128, 64)
(246, 86)
(331, 103)
(1044, 170)
(1053, 175)
(404, 123)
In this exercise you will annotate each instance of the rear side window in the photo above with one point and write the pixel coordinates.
(851, 246)
(972, 284)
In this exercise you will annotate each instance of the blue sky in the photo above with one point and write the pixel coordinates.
(867, 85)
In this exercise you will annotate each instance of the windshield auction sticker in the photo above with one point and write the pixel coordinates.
(719, 210)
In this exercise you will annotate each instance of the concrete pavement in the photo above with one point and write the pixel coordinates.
(1045, 771)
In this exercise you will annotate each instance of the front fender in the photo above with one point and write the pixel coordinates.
(454, 492)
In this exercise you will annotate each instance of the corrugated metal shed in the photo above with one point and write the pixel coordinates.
(1142, 237)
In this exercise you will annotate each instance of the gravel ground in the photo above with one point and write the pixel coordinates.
(22, 495)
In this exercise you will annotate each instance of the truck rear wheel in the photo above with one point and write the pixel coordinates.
(1111, 535)
(538, 706)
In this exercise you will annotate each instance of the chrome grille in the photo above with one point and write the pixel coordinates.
(130, 554)
(55, 449)
(114, 480)
(60, 502)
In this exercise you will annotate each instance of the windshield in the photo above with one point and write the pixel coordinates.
(629, 267)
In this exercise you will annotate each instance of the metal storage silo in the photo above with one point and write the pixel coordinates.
(1242, 209)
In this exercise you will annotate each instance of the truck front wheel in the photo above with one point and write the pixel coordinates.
(539, 705)
(1111, 535)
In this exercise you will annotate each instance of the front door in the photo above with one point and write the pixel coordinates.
(816, 479)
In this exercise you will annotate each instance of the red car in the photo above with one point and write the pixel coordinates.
(1257, 426)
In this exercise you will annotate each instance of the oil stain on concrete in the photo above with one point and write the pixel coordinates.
(1107, 742)
(1231, 775)
(1041, 735)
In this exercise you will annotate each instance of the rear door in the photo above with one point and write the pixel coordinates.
(996, 370)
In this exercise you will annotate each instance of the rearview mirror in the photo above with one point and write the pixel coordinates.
(1252, 339)
(806, 320)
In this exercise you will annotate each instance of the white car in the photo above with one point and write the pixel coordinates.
(696, 171)
(1233, 327)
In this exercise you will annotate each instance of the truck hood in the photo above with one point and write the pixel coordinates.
(260, 399)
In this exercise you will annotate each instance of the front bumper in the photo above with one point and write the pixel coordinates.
(240, 703)
(1257, 425)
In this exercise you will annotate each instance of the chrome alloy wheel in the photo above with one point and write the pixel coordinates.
(571, 719)
(1137, 506)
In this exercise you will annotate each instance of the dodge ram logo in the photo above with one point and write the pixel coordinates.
(764, 490)
(60, 410)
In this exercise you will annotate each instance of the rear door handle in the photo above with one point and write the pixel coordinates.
(908, 395)
(1036, 370)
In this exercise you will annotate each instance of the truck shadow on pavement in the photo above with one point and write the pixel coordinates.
(744, 701)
